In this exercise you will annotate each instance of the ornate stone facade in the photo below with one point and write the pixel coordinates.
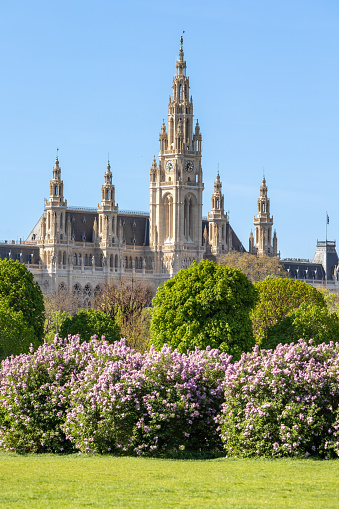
(82, 249)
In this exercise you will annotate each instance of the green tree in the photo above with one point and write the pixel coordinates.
(89, 323)
(15, 335)
(306, 322)
(19, 292)
(256, 268)
(204, 305)
(277, 298)
(331, 299)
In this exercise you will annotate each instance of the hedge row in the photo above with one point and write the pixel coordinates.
(100, 397)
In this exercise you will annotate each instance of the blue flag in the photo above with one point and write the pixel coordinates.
(327, 219)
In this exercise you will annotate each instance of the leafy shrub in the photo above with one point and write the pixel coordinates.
(15, 335)
(90, 323)
(277, 298)
(283, 402)
(106, 397)
(19, 292)
(34, 395)
(158, 403)
(306, 322)
(204, 305)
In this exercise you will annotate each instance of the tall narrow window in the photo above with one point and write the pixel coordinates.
(168, 217)
(188, 218)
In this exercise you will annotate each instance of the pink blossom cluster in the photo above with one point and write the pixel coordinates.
(283, 402)
(101, 397)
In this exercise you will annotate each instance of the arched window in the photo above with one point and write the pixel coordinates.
(180, 92)
(77, 290)
(188, 218)
(116, 261)
(168, 202)
(62, 288)
(74, 259)
(87, 290)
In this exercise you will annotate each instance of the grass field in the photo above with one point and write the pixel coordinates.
(48, 481)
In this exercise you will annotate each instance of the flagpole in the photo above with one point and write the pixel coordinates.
(326, 227)
(327, 221)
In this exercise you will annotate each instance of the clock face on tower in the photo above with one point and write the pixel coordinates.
(169, 166)
(189, 166)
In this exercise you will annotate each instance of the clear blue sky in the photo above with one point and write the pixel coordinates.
(95, 77)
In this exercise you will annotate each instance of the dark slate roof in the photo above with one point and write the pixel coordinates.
(26, 253)
(135, 228)
(82, 223)
(304, 269)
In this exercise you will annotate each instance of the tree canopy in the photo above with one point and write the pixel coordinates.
(89, 323)
(256, 268)
(306, 322)
(15, 335)
(204, 305)
(277, 298)
(19, 292)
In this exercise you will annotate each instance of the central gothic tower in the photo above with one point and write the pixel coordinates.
(176, 183)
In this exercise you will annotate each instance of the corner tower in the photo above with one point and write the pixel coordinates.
(54, 224)
(218, 221)
(176, 183)
(263, 242)
(107, 211)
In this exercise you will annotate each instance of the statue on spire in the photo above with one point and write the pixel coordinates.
(182, 42)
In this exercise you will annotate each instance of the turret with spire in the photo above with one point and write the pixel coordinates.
(264, 242)
(54, 228)
(107, 210)
(217, 220)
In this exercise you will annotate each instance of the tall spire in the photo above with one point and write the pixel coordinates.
(177, 181)
(264, 241)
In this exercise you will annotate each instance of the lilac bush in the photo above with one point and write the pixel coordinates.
(152, 404)
(35, 390)
(100, 397)
(283, 402)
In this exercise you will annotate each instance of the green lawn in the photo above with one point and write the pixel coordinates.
(48, 481)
